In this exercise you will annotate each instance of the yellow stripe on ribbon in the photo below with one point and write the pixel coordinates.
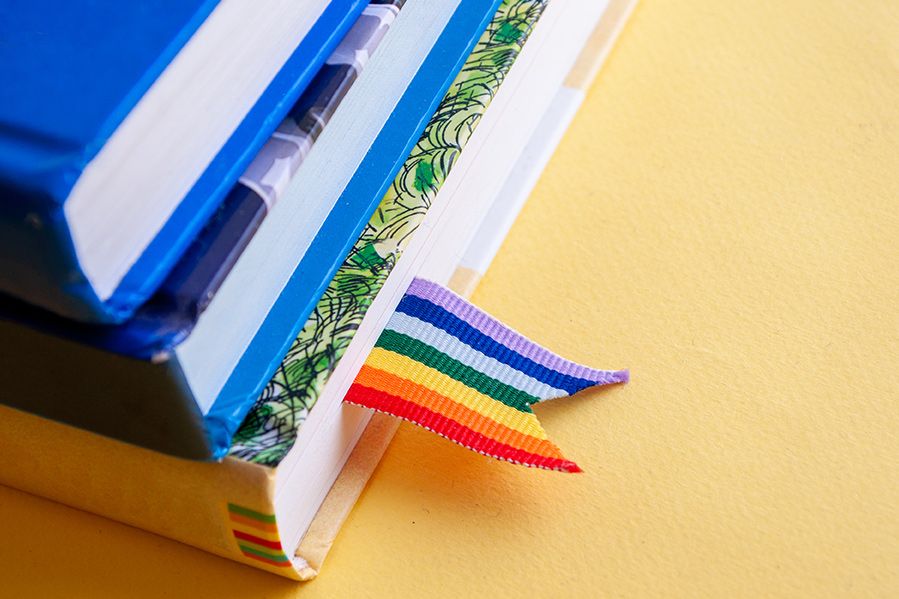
(472, 399)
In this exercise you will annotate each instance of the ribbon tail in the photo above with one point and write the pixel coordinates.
(449, 367)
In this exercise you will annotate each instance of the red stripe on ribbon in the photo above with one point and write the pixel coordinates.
(397, 406)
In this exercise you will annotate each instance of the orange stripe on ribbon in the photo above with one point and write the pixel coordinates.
(445, 406)
(451, 429)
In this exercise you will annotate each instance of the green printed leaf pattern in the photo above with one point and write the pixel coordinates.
(270, 428)
(424, 176)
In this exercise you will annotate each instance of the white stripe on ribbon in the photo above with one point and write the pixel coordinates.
(454, 348)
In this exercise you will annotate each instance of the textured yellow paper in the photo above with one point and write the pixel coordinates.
(723, 219)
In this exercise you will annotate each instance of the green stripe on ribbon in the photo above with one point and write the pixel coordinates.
(433, 358)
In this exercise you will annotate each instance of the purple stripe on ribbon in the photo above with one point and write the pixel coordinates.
(502, 334)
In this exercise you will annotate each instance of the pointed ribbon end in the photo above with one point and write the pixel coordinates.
(570, 467)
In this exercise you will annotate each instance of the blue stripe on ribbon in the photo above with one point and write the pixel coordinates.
(452, 324)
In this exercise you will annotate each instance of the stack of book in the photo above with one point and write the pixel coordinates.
(208, 211)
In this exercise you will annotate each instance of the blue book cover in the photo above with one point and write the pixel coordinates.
(66, 90)
(167, 318)
(154, 405)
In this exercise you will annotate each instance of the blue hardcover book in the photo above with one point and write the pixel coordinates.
(181, 374)
(124, 124)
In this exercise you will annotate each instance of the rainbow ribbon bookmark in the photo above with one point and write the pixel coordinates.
(447, 366)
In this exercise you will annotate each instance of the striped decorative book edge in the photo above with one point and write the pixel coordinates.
(257, 537)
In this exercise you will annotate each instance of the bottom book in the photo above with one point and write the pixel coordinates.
(302, 457)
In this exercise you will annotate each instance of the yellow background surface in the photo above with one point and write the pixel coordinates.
(722, 218)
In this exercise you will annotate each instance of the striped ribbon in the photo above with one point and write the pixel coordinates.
(453, 369)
